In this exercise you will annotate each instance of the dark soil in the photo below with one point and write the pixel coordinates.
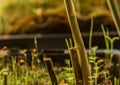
(112, 66)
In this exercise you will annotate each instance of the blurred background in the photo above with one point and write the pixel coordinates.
(49, 16)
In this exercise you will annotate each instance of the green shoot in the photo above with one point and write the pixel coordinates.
(69, 43)
(90, 37)
(111, 40)
(96, 63)
(106, 33)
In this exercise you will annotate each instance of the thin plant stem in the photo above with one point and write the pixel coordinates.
(51, 72)
(106, 33)
(90, 37)
(113, 6)
(76, 65)
(5, 74)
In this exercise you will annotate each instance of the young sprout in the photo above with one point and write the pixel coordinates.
(111, 40)
(106, 33)
(93, 60)
(96, 69)
(69, 43)
(90, 37)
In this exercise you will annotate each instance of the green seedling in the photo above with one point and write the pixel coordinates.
(92, 60)
(69, 43)
(106, 33)
(90, 37)
(111, 40)
(69, 77)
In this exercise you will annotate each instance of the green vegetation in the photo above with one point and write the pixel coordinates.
(86, 69)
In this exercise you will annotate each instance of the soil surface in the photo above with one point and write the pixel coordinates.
(113, 68)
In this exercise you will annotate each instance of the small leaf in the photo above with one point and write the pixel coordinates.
(99, 61)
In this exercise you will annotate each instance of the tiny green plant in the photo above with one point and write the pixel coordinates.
(90, 37)
(70, 76)
(93, 60)
(111, 45)
(69, 43)
(106, 33)
(109, 40)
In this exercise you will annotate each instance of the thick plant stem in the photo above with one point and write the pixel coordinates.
(76, 66)
(115, 13)
(52, 75)
(5, 74)
(78, 41)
